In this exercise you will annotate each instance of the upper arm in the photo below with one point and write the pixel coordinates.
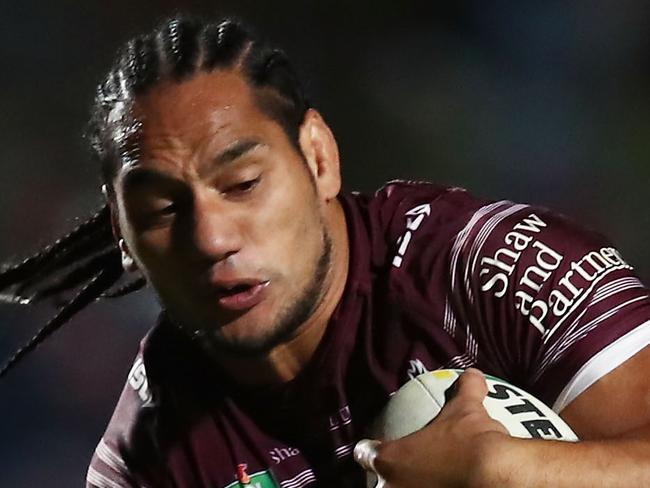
(618, 403)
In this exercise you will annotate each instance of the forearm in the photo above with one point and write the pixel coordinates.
(511, 462)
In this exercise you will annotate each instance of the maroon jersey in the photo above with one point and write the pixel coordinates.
(437, 279)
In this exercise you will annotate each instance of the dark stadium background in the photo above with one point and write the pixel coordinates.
(541, 102)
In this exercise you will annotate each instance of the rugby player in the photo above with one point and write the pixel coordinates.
(291, 311)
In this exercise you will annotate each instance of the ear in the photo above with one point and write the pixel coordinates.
(128, 263)
(321, 153)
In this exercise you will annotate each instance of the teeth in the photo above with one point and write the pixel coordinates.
(236, 288)
(240, 288)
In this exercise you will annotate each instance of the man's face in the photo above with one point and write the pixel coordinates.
(222, 214)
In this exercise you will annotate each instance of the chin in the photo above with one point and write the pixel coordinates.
(250, 338)
(245, 345)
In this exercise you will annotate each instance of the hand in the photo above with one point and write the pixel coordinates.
(449, 452)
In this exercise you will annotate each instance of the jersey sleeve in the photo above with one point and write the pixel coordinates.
(108, 468)
(552, 306)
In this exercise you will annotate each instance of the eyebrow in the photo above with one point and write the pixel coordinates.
(236, 150)
(139, 176)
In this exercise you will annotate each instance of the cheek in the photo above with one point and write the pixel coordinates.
(152, 252)
(145, 247)
(294, 232)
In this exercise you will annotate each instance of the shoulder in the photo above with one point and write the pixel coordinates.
(423, 216)
(401, 214)
(108, 466)
(400, 198)
(163, 393)
(113, 456)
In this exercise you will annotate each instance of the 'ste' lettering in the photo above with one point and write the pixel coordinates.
(523, 407)
(542, 429)
(503, 392)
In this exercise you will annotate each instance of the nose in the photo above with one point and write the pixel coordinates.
(214, 231)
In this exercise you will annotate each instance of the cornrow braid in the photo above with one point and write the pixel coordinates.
(176, 50)
(86, 262)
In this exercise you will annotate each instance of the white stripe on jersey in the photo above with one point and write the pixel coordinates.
(607, 291)
(95, 479)
(468, 358)
(301, 479)
(571, 337)
(449, 322)
(615, 287)
(594, 322)
(604, 362)
(344, 450)
(472, 345)
(110, 458)
(461, 237)
(462, 361)
(578, 302)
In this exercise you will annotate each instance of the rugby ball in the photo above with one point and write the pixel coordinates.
(418, 402)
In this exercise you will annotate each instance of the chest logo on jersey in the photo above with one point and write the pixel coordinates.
(414, 218)
(138, 380)
(571, 287)
(496, 270)
(261, 479)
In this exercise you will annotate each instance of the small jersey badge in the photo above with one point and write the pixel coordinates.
(242, 475)
(416, 368)
(261, 479)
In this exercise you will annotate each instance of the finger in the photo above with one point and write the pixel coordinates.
(365, 453)
(382, 464)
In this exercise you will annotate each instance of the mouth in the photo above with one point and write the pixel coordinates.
(237, 296)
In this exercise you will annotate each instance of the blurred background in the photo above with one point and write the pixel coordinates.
(540, 102)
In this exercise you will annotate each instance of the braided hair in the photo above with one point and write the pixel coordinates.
(85, 265)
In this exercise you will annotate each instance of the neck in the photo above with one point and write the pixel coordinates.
(285, 361)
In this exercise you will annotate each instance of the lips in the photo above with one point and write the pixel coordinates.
(237, 295)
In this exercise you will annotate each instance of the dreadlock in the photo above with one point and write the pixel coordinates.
(84, 265)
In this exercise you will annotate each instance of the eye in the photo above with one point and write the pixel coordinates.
(162, 213)
(243, 187)
(150, 216)
(167, 210)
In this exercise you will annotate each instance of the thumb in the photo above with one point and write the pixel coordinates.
(465, 394)
(471, 385)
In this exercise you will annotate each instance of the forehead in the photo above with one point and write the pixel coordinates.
(208, 109)
(203, 92)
